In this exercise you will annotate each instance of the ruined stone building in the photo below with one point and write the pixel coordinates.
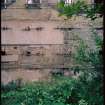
(34, 38)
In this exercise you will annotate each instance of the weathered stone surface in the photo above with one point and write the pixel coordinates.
(46, 50)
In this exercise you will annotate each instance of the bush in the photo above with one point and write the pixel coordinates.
(86, 90)
(60, 91)
(72, 9)
(80, 6)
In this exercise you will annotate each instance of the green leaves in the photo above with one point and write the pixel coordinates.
(60, 4)
(80, 7)
(83, 102)
(92, 11)
(98, 39)
(81, 55)
(71, 9)
(61, 91)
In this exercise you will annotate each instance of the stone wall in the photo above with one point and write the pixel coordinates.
(33, 56)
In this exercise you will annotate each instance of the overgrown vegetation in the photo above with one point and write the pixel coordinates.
(79, 7)
(92, 69)
(87, 89)
(65, 92)
(61, 91)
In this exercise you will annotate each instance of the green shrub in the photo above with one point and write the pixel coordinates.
(60, 91)
(72, 9)
(80, 7)
(86, 90)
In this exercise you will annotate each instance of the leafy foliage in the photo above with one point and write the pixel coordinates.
(98, 39)
(91, 61)
(92, 11)
(60, 91)
(80, 7)
(86, 90)
(91, 78)
(70, 10)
